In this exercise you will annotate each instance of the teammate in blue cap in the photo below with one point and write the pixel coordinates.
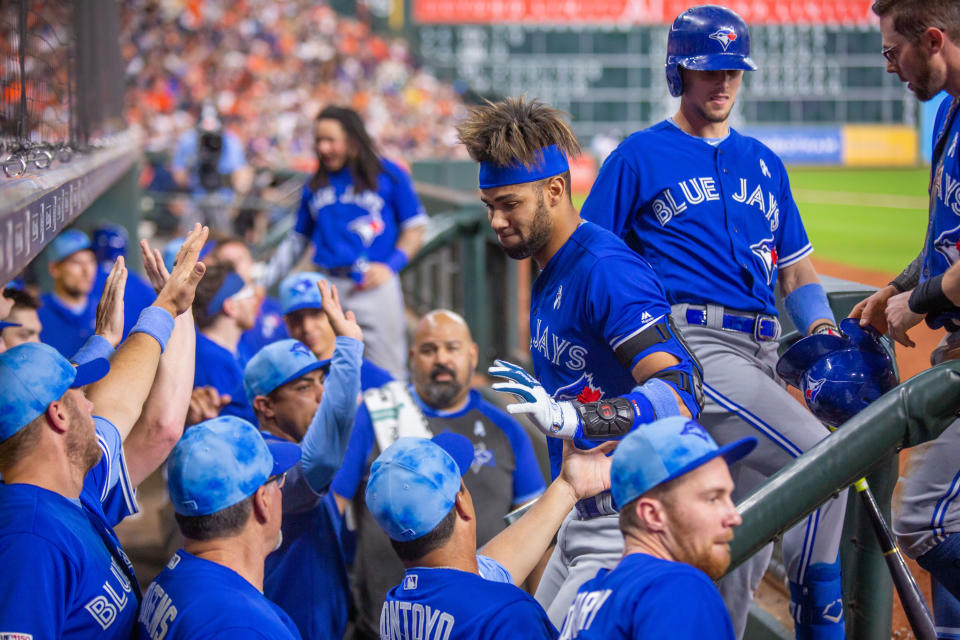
(606, 354)
(59, 462)
(296, 401)
(417, 495)
(302, 307)
(712, 212)
(225, 484)
(68, 314)
(677, 517)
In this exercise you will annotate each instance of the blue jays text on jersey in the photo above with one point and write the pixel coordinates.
(593, 295)
(716, 222)
(347, 226)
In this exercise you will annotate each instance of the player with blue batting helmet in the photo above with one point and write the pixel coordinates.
(706, 38)
(839, 376)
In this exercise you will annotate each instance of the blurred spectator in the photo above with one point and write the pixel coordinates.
(22, 313)
(69, 313)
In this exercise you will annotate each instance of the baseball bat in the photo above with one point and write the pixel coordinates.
(914, 604)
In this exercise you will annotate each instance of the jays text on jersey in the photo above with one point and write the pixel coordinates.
(716, 221)
(346, 226)
(593, 295)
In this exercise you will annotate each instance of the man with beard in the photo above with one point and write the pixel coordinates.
(504, 473)
(677, 520)
(921, 44)
(711, 210)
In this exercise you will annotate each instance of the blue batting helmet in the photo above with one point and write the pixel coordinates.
(706, 38)
(839, 376)
(110, 242)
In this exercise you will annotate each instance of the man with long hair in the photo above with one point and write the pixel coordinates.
(364, 221)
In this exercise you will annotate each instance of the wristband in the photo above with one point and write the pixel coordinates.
(928, 297)
(397, 261)
(156, 323)
(807, 304)
(95, 347)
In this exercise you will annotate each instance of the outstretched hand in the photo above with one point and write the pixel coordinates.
(178, 292)
(552, 418)
(343, 324)
(587, 471)
(153, 266)
(110, 308)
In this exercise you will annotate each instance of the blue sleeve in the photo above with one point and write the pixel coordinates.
(793, 244)
(327, 436)
(304, 225)
(186, 147)
(95, 347)
(348, 476)
(409, 210)
(492, 570)
(666, 610)
(522, 618)
(121, 500)
(35, 583)
(104, 475)
(612, 201)
(527, 480)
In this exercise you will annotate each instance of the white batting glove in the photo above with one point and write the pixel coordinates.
(553, 418)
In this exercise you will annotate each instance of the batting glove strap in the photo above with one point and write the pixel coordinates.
(607, 419)
(595, 506)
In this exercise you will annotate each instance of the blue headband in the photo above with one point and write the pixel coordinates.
(552, 162)
(232, 285)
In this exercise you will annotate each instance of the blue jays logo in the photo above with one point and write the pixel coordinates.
(947, 244)
(691, 428)
(767, 252)
(724, 36)
(582, 390)
(368, 227)
(811, 388)
(298, 348)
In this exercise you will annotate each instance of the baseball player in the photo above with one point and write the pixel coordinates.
(604, 347)
(417, 495)
(921, 43)
(68, 314)
(296, 401)
(677, 519)
(712, 212)
(365, 222)
(225, 484)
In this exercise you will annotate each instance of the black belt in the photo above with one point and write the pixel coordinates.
(761, 326)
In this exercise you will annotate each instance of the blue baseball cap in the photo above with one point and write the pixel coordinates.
(66, 244)
(110, 242)
(414, 483)
(32, 375)
(277, 364)
(299, 291)
(220, 462)
(4, 325)
(663, 450)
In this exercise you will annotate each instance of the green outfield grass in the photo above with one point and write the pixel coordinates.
(868, 218)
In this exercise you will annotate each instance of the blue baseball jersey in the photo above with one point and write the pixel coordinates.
(593, 295)
(64, 572)
(459, 605)
(373, 376)
(346, 226)
(269, 329)
(646, 597)
(307, 575)
(716, 222)
(216, 367)
(197, 598)
(63, 328)
(942, 247)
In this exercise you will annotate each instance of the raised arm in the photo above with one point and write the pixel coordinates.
(119, 396)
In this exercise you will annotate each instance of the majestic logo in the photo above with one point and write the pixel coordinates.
(763, 168)
(767, 252)
(724, 36)
(812, 388)
(583, 390)
(556, 301)
(947, 244)
(368, 227)
(645, 317)
(693, 429)
(410, 582)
